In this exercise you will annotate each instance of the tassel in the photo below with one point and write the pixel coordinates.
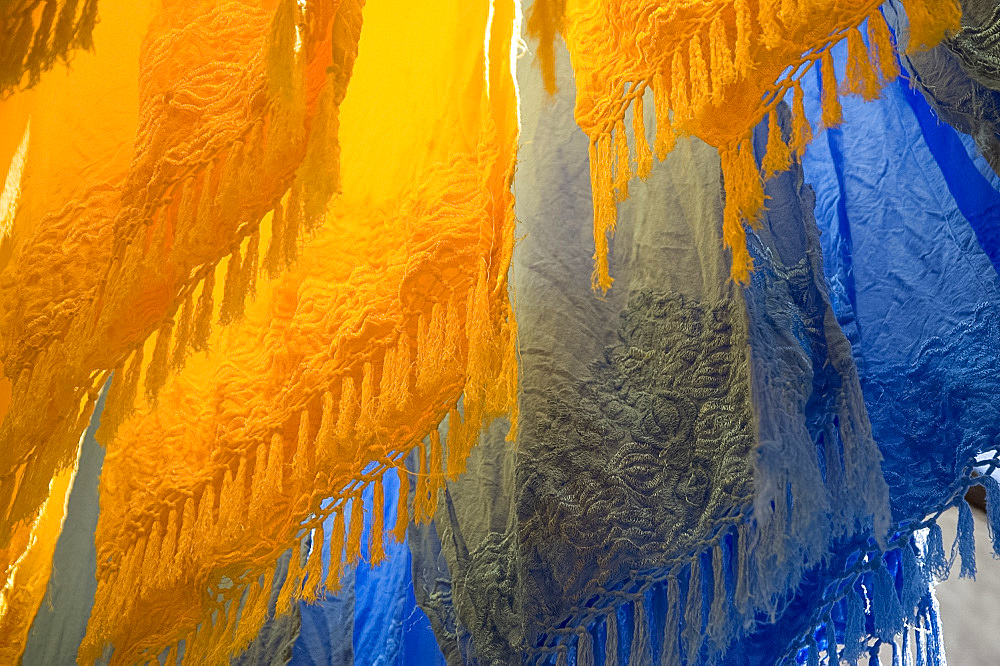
(345, 416)
(232, 291)
(156, 372)
(813, 659)
(914, 579)
(744, 201)
(873, 654)
(293, 219)
(404, 366)
(623, 164)
(291, 588)
(720, 58)
(670, 649)
(789, 12)
(743, 28)
(203, 315)
(183, 338)
(185, 538)
(937, 563)
(665, 139)
(882, 49)
(149, 570)
(643, 154)
(767, 16)
(718, 615)
(387, 399)
(314, 567)
(336, 553)
(965, 539)
(561, 657)
(854, 630)
(206, 515)
(861, 77)
(171, 659)
(692, 635)
(641, 652)
(205, 198)
(376, 540)
(300, 459)
(274, 481)
(611, 639)
(249, 268)
(365, 425)
(121, 396)
(402, 508)
(584, 649)
(354, 532)
(886, 610)
(420, 503)
(992, 510)
(801, 129)
(697, 74)
(258, 493)
(678, 89)
(833, 115)
(897, 659)
(604, 209)
(741, 597)
(168, 571)
(273, 259)
(778, 157)
(455, 465)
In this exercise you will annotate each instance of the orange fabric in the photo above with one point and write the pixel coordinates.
(392, 316)
(714, 69)
(131, 194)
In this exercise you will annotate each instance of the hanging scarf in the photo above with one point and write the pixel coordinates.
(715, 70)
(391, 313)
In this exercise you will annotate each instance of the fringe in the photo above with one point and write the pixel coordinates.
(692, 635)
(833, 114)
(202, 328)
(611, 639)
(965, 541)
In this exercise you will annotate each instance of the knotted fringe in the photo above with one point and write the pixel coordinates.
(687, 83)
(889, 601)
(611, 639)
(256, 480)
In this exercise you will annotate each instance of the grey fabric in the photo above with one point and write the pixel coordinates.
(61, 621)
(635, 425)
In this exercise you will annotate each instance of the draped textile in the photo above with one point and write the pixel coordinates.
(284, 242)
(542, 576)
(367, 335)
(715, 69)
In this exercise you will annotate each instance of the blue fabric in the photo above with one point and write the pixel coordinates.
(374, 619)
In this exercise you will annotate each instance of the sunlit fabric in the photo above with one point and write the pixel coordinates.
(646, 332)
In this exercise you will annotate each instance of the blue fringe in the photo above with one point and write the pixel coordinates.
(938, 564)
(966, 540)
(993, 510)
(854, 629)
(887, 614)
